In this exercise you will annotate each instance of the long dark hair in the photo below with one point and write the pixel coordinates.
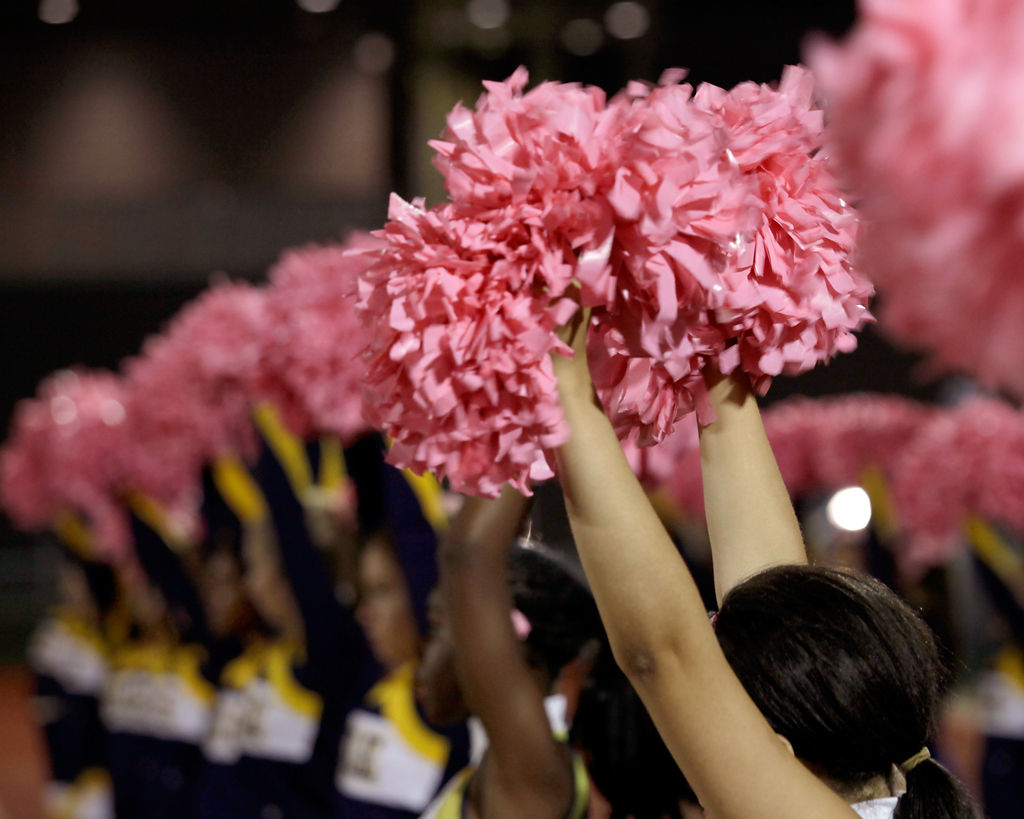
(848, 673)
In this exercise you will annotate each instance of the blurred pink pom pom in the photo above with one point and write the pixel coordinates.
(314, 368)
(827, 443)
(465, 313)
(822, 444)
(969, 460)
(190, 392)
(925, 109)
(62, 456)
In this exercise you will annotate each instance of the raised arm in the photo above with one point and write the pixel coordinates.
(527, 768)
(751, 522)
(659, 630)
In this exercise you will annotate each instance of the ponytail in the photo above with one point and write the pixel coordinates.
(934, 793)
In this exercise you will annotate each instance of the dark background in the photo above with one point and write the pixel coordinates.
(147, 145)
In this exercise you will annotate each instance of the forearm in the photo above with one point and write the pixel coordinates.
(497, 684)
(750, 518)
(473, 559)
(646, 597)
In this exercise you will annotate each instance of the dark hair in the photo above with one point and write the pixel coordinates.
(848, 673)
(553, 596)
(625, 755)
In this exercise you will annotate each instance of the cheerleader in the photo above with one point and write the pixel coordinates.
(156, 706)
(273, 746)
(511, 632)
(814, 692)
(394, 759)
(69, 654)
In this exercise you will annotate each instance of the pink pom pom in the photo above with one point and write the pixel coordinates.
(656, 464)
(545, 150)
(24, 467)
(465, 312)
(680, 203)
(792, 299)
(313, 367)
(189, 393)
(62, 456)
(924, 103)
(964, 461)
(734, 245)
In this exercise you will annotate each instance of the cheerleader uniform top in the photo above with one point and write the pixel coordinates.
(157, 703)
(876, 808)
(393, 763)
(273, 746)
(69, 658)
(451, 802)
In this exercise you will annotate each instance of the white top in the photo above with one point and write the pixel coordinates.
(876, 808)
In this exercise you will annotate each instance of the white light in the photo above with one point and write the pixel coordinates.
(374, 53)
(487, 13)
(849, 509)
(582, 37)
(112, 413)
(318, 6)
(627, 20)
(58, 12)
(63, 410)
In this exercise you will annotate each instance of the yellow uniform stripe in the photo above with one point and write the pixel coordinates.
(332, 463)
(883, 510)
(430, 496)
(286, 447)
(74, 534)
(395, 698)
(239, 490)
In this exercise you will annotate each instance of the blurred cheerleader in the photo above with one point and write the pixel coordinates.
(394, 758)
(815, 691)
(511, 623)
(69, 653)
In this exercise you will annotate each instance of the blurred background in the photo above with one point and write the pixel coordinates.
(147, 146)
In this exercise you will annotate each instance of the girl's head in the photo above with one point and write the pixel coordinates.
(556, 617)
(549, 592)
(385, 609)
(223, 594)
(848, 673)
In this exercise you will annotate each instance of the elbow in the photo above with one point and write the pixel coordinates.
(455, 554)
(639, 659)
(637, 663)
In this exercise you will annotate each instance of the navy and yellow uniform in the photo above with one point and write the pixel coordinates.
(280, 710)
(156, 709)
(451, 803)
(69, 658)
(157, 704)
(392, 761)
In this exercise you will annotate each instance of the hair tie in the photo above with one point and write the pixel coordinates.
(915, 760)
(521, 624)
